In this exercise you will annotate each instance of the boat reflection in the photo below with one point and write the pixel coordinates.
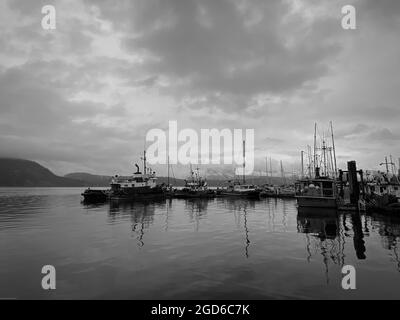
(196, 208)
(389, 229)
(323, 236)
(140, 213)
(240, 208)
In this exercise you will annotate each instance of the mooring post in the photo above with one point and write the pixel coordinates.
(353, 183)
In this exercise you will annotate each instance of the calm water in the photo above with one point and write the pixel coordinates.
(183, 249)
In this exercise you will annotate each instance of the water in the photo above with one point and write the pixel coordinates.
(178, 249)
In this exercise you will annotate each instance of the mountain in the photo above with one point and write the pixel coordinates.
(91, 180)
(26, 173)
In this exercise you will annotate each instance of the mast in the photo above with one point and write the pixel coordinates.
(144, 162)
(302, 164)
(168, 170)
(309, 161)
(315, 147)
(324, 157)
(283, 174)
(270, 167)
(392, 164)
(334, 150)
(244, 161)
(266, 168)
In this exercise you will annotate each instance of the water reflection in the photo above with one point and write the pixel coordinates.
(140, 213)
(388, 228)
(323, 236)
(196, 208)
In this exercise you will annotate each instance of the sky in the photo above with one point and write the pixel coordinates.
(82, 97)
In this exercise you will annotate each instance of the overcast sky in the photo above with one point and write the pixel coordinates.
(83, 96)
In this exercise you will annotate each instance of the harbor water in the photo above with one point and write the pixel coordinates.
(190, 249)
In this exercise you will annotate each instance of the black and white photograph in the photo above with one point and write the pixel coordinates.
(199, 150)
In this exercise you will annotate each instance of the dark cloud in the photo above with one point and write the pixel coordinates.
(75, 97)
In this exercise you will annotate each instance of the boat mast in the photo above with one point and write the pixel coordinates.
(309, 161)
(302, 164)
(144, 162)
(334, 150)
(168, 170)
(283, 174)
(270, 168)
(266, 168)
(244, 161)
(315, 148)
(324, 157)
(392, 164)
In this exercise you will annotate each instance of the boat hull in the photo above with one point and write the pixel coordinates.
(236, 194)
(316, 202)
(193, 195)
(94, 196)
(138, 194)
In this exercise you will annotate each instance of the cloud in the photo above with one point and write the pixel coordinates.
(75, 97)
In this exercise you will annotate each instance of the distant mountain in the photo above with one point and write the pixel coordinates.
(90, 180)
(25, 173)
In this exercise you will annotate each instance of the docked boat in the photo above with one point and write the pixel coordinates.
(383, 191)
(287, 191)
(141, 185)
(242, 190)
(195, 187)
(268, 191)
(95, 195)
(319, 188)
(320, 192)
(235, 189)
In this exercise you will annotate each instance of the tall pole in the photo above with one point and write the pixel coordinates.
(398, 173)
(266, 168)
(315, 147)
(302, 164)
(144, 162)
(168, 171)
(334, 150)
(387, 165)
(270, 168)
(244, 161)
(310, 173)
(392, 164)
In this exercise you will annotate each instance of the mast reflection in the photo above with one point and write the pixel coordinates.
(140, 214)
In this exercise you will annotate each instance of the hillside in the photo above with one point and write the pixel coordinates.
(25, 173)
(91, 180)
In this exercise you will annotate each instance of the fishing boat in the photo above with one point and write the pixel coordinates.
(236, 189)
(319, 192)
(195, 187)
(319, 189)
(141, 185)
(268, 191)
(286, 191)
(382, 190)
(95, 195)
